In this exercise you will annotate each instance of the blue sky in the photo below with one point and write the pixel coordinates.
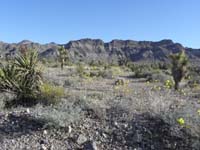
(63, 20)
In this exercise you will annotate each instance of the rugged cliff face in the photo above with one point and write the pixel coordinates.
(96, 50)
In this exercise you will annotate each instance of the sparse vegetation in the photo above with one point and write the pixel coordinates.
(108, 98)
(80, 70)
(51, 94)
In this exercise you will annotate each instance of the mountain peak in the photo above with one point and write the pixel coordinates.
(25, 42)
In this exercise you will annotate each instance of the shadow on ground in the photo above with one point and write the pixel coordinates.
(15, 125)
(145, 131)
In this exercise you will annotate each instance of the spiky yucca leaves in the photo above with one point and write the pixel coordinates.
(179, 67)
(9, 79)
(62, 56)
(22, 76)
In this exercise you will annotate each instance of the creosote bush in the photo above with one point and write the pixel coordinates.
(179, 67)
(80, 69)
(51, 94)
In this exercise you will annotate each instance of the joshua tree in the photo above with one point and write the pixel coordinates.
(179, 67)
(62, 55)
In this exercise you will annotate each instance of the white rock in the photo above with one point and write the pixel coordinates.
(81, 139)
(28, 110)
(43, 147)
(69, 129)
(45, 132)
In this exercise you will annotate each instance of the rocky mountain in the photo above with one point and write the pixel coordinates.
(97, 50)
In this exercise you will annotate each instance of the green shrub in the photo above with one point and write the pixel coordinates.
(51, 94)
(179, 67)
(119, 82)
(80, 69)
(106, 74)
(169, 84)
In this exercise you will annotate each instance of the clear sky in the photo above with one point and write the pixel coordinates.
(63, 20)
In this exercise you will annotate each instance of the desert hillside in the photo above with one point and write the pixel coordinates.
(88, 50)
(66, 104)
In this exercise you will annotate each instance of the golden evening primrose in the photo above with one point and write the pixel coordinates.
(181, 121)
(198, 111)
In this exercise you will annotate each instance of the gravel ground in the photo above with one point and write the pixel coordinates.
(97, 116)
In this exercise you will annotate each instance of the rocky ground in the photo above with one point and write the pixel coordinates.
(96, 114)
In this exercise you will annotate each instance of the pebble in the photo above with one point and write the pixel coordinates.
(45, 132)
(90, 145)
(81, 139)
(43, 147)
(69, 129)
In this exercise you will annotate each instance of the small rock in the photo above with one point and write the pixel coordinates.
(69, 129)
(116, 124)
(43, 142)
(45, 132)
(104, 135)
(90, 145)
(125, 125)
(28, 110)
(43, 147)
(81, 139)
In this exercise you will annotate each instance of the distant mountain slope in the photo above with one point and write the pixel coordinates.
(95, 49)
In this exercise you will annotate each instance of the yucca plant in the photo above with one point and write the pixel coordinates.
(22, 77)
(179, 67)
(62, 56)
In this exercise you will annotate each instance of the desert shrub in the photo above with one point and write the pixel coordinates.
(179, 67)
(80, 69)
(102, 73)
(51, 94)
(106, 74)
(158, 76)
(169, 84)
(121, 87)
(123, 61)
(97, 63)
(107, 66)
(194, 69)
(69, 82)
(60, 115)
(140, 70)
(119, 82)
(22, 77)
(163, 65)
(116, 70)
(44, 61)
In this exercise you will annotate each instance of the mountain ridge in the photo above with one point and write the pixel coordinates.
(88, 50)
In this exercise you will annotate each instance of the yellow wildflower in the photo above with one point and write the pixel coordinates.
(181, 121)
(198, 111)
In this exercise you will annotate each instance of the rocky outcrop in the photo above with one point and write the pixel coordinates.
(96, 50)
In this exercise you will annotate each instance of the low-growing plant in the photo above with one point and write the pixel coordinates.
(80, 69)
(51, 94)
(119, 82)
(168, 84)
(59, 116)
(121, 87)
